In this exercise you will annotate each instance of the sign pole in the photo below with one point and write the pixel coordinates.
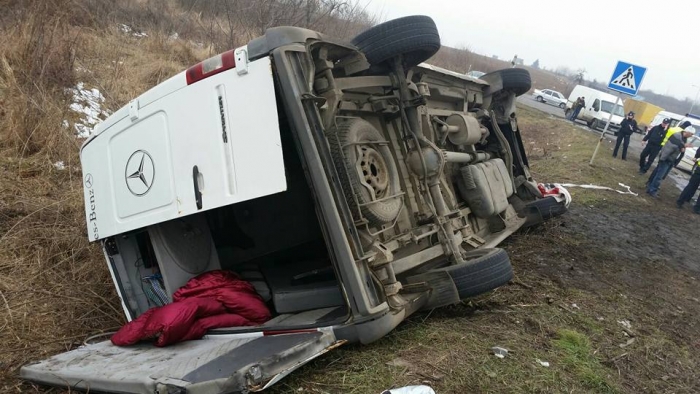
(626, 78)
(605, 129)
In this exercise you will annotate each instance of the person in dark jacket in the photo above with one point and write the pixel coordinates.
(669, 132)
(627, 127)
(653, 141)
(667, 158)
(692, 187)
(577, 107)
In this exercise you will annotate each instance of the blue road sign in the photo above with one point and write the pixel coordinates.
(627, 78)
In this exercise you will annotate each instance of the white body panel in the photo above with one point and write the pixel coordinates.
(675, 118)
(140, 168)
(688, 161)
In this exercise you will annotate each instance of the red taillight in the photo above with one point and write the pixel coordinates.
(211, 66)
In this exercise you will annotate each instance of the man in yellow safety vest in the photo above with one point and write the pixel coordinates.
(671, 131)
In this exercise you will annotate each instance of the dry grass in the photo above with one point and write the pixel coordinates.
(55, 289)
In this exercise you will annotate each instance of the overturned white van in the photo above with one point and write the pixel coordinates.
(350, 183)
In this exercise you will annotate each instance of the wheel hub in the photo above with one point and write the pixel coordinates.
(373, 171)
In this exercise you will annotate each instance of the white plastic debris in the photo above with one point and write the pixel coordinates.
(59, 165)
(173, 37)
(126, 29)
(626, 324)
(499, 352)
(575, 306)
(628, 191)
(629, 342)
(410, 390)
(542, 363)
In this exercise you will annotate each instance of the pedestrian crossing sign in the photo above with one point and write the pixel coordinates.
(627, 77)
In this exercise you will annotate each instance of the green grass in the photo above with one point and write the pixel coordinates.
(579, 358)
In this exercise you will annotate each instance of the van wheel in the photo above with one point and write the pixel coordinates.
(415, 37)
(593, 123)
(516, 80)
(366, 167)
(485, 270)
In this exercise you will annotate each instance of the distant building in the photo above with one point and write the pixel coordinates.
(519, 61)
(494, 57)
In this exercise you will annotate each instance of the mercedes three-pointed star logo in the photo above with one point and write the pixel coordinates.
(139, 173)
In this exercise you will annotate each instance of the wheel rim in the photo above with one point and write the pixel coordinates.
(373, 171)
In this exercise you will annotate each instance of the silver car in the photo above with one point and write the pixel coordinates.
(550, 97)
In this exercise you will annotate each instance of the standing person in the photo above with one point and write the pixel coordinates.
(653, 140)
(690, 189)
(627, 127)
(667, 158)
(671, 131)
(578, 106)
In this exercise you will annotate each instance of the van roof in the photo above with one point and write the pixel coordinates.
(668, 114)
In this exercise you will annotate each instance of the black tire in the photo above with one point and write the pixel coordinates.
(516, 80)
(380, 179)
(415, 37)
(540, 99)
(485, 270)
(548, 207)
(593, 124)
(562, 105)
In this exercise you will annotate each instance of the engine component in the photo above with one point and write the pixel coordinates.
(463, 129)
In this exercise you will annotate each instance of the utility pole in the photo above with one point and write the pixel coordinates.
(696, 99)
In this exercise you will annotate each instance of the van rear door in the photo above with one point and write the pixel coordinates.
(185, 146)
(214, 365)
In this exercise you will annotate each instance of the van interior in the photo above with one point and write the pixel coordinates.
(274, 242)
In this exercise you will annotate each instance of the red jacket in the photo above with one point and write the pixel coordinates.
(211, 300)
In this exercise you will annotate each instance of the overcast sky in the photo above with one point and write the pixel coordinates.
(590, 34)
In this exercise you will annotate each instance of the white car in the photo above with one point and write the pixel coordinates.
(550, 97)
(688, 161)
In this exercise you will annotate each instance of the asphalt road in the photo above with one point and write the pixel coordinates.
(679, 178)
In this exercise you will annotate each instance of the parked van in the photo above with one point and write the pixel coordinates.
(674, 117)
(349, 183)
(599, 105)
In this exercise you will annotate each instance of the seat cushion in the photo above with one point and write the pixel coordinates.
(485, 187)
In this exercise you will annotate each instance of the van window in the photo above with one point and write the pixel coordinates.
(608, 107)
(596, 105)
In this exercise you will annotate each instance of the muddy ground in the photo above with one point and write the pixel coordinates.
(607, 294)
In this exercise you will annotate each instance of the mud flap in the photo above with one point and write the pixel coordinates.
(211, 366)
(444, 292)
